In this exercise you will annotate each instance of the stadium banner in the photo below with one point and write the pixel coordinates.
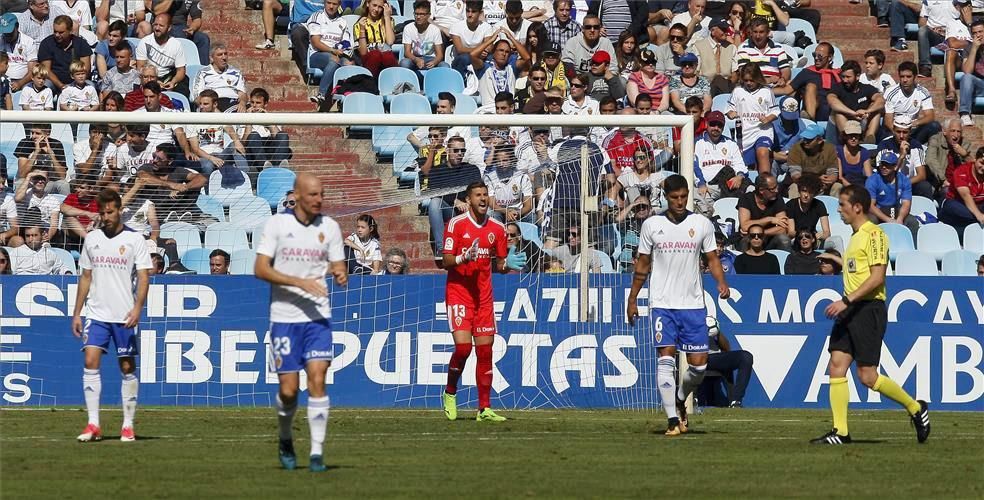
(202, 341)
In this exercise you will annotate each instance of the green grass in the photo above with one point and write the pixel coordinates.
(209, 453)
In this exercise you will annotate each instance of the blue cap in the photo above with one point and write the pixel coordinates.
(687, 58)
(888, 156)
(812, 131)
(8, 22)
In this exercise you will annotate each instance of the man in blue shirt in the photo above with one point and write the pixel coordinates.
(891, 194)
(911, 155)
(787, 129)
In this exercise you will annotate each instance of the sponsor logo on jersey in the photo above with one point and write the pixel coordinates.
(319, 354)
(491, 238)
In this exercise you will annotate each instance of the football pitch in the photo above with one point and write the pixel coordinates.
(232, 453)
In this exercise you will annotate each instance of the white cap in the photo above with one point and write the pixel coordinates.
(902, 121)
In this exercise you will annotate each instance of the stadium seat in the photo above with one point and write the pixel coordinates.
(796, 24)
(350, 20)
(915, 263)
(464, 104)
(387, 140)
(960, 263)
(273, 183)
(15, 99)
(63, 133)
(606, 261)
(190, 51)
(248, 212)
(12, 132)
(341, 74)
(227, 236)
(179, 98)
(389, 78)
(727, 208)
(973, 239)
(830, 203)
(192, 71)
(921, 205)
(211, 206)
(720, 102)
(197, 260)
(937, 239)
(186, 235)
(410, 104)
(899, 239)
(242, 262)
(530, 232)
(405, 165)
(66, 257)
(397, 8)
(226, 196)
(363, 103)
(842, 232)
(782, 255)
(440, 79)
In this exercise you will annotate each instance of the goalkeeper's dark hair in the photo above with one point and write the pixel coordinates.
(475, 185)
(675, 183)
(107, 196)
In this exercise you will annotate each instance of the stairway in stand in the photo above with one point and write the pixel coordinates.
(346, 166)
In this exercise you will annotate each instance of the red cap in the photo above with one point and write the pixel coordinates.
(714, 117)
(601, 57)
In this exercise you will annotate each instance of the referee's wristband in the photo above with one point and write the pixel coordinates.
(846, 300)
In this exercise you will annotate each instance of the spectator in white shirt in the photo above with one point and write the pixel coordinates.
(130, 12)
(34, 206)
(423, 47)
(161, 133)
(266, 145)
(228, 82)
(95, 155)
(166, 54)
(8, 216)
(468, 34)
(514, 22)
(497, 75)
(35, 257)
(77, 10)
(331, 47)
(207, 141)
(37, 21)
(78, 95)
(37, 96)
(21, 50)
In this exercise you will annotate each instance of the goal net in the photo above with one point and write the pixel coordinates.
(573, 191)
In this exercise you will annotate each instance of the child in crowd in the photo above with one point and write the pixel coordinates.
(754, 106)
(874, 61)
(36, 96)
(362, 247)
(79, 95)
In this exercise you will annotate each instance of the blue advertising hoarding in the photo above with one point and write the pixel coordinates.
(202, 341)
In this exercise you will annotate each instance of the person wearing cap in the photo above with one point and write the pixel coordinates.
(689, 84)
(468, 34)
(602, 82)
(891, 193)
(579, 49)
(911, 155)
(21, 50)
(855, 161)
(964, 203)
(786, 129)
(814, 155)
(912, 100)
(647, 80)
(720, 170)
(556, 69)
(668, 54)
(562, 27)
(852, 100)
(716, 54)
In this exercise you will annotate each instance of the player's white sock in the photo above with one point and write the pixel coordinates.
(92, 388)
(318, 422)
(666, 381)
(129, 389)
(691, 380)
(285, 415)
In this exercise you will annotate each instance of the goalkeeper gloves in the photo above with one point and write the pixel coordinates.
(516, 260)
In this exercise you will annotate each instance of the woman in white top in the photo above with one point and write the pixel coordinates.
(364, 247)
(641, 180)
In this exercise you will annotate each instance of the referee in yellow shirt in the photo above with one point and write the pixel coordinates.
(860, 318)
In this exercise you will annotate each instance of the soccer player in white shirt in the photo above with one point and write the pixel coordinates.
(670, 246)
(297, 249)
(110, 258)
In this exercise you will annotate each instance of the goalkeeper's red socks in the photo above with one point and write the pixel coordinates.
(483, 374)
(457, 364)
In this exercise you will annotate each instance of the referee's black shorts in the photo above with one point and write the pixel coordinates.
(860, 331)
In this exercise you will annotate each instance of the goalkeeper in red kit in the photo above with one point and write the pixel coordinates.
(471, 241)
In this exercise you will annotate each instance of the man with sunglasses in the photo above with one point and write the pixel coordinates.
(579, 50)
(174, 185)
(40, 151)
(531, 98)
(852, 100)
(812, 85)
(600, 81)
(447, 179)
(755, 260)
(668, 54)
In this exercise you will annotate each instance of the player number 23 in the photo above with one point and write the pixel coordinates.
(281, 345)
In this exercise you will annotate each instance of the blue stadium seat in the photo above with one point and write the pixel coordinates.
(440, 79)
(211, 206)
(350, 20)
(363, 103)
(899, 239)
(727, 208)
(63, 133)
(273, 183)
(66, 257)
(190, 51)
(186, 235)
(179, 98)
(12, 132)
(921, 205)
(410, 104)
(796, 24)
(242, 262)
(720, 102)
(397, 8)
(341, 74)
(915, 263)
(192, 71)
(389, 78)
(227, 236)
(197, 260)
(405, 159)
(249, 212)
(464, 104)
(782, 255)
(960, 263)
(386, 140)
(937, 239)
(830, 203)
(973, 239)
(226, 196)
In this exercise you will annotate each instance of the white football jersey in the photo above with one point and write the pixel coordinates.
(8, 212)
(896, 102)
(114, 262)
(303, 251)
(751, 107)
(711, 157)
(511, 192)
(675, 280)
(129, 160)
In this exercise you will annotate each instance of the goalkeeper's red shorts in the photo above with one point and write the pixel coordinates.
(465, 315)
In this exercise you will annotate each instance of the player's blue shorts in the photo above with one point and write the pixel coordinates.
(749, 154)
(685, 329)
(292, 345)
(97, 333)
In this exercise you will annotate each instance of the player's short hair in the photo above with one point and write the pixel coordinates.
(675, 183)
(857, 195)
(218, 252)
(475, 185)
(211, 94)
(877, 54)
(107, 196)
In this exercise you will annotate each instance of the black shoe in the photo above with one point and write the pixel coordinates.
(882, 22)
(832, 438)
(920, 420)
(287, 457)
(735, 404)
